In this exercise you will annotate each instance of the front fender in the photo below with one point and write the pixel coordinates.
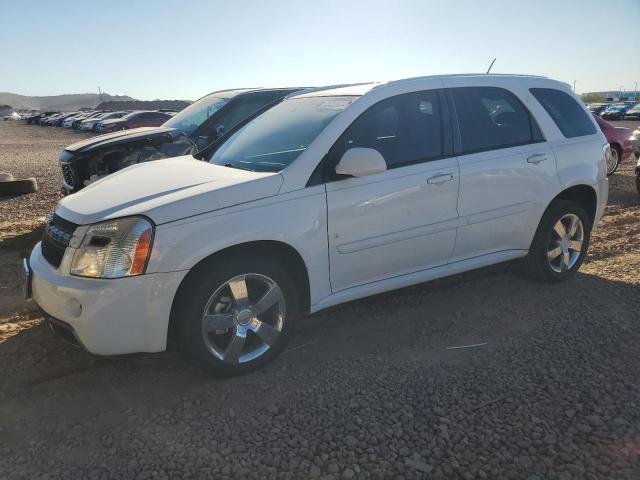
(297, 219)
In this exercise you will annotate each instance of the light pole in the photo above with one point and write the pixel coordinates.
(635, 92)
(574, 86)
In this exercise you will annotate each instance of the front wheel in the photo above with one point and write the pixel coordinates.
(560, 243)
(638, 184)
(237, 315)
(614, 159)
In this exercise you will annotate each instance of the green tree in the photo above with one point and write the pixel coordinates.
(592, 98)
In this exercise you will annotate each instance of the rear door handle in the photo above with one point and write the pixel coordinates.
(440, 179)
(537, 158)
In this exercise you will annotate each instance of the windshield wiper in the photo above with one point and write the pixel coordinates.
(232, 165)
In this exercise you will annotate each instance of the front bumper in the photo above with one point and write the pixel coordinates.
(109, 317)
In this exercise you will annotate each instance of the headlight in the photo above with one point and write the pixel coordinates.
(114, 249)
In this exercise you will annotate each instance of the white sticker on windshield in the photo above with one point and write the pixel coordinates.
(334, 104)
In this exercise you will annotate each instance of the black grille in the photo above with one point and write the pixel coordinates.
(56, 238)
(67, 174)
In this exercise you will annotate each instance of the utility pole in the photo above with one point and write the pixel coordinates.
(574, 86)
(99, 93)
(635, 92)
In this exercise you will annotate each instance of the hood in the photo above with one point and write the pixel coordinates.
(117, 138)
(167, 190)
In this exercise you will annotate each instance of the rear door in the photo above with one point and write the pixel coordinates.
(506, 171)
(403, 220)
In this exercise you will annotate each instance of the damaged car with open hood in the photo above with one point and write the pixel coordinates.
(188, 132)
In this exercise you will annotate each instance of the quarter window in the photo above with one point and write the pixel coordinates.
(405, 129)
(570, 117)
(491, 118)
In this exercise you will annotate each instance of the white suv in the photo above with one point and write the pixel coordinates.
(332, 195)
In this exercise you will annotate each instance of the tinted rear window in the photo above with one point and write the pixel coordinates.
(570, 117)
(491, 118)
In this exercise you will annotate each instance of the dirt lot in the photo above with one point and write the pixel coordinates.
(369, 390)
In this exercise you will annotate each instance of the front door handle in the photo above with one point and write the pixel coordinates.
(440, 179)
(537, 158)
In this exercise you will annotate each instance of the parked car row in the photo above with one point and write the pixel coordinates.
(302, 199)
(101, 120)
(616, 111)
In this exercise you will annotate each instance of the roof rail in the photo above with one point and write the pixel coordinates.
(466, 75)
(326, 87)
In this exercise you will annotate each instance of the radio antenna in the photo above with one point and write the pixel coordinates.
(489, 69)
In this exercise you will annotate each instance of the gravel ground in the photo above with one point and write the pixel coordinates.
(368, 390)
(32, 151)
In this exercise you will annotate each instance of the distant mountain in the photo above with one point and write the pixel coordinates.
(144, 105)
(74, 101)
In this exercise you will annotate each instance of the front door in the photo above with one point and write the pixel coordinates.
(403, 220)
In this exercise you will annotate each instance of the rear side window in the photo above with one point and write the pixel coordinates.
(490, 118)
(570, 117)
(405, 129)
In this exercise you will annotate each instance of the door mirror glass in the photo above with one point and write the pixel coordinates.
(360, 162)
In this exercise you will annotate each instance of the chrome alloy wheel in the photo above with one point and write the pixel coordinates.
(565, 245)
(243, 318)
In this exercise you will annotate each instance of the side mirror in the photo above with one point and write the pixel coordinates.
(202, 141)
(360, 162)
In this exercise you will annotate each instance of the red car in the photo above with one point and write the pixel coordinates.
(134, 120)
(619, 139)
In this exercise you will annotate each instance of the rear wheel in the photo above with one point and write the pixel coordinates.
(237, 315)
(613, 160)
(560, 243)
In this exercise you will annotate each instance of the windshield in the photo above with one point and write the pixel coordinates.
(129, 116)
(195, 114)
(272, 141)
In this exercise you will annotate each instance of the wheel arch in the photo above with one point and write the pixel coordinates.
(284, 252)
(585, 195)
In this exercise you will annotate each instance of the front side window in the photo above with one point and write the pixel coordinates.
(568, 115)
(277, 137)
(196, 114)
(405, 129)
(491, 118)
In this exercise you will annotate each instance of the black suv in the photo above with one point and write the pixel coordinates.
(188, 132)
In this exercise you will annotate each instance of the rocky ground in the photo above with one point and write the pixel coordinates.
(373, 389)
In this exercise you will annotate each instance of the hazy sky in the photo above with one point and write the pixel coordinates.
(184, 49)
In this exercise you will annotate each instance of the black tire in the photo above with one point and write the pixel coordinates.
(18, 187)
(5, 177)
(200, 285)
(536, 263)
(617, 157)
(638, 184)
